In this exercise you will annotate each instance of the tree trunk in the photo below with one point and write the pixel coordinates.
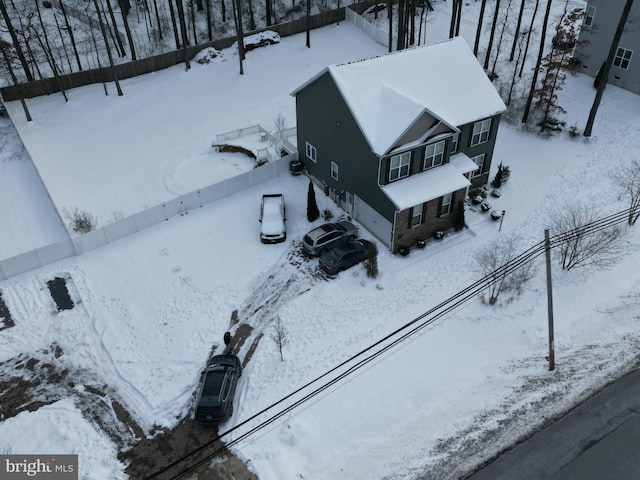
(127, 30)
(308, 23)
(504, 24)
(192, 13)
(209, 20)
(71, 36)
(525, 116)
(237, 9)
(526, 48)
(607, 68)
(268, 7)
(517, 32)
(49, 53)
(252, 20)
(120, 45)
(390, 15)
(106, 43)
(173, 23)
(493, 32)
(400, 45)
(62, 41)
(183, 32)
(479, 29)
(155, 7)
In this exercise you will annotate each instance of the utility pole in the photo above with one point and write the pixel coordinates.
(547, 250)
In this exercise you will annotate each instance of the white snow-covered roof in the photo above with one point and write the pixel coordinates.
(387, 93)
(425, 186)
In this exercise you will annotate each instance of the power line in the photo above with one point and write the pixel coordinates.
(402, 333)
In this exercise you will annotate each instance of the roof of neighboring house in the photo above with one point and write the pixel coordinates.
(387, 94)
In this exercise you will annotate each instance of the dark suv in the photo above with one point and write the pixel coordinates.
(328, 236)
(215, 401)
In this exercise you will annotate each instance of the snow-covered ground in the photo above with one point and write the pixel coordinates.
(149, 307)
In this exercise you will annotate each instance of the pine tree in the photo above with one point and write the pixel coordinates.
(312, 207)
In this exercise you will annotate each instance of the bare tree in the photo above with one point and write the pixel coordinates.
(280, 336)
(517, 32)
(505, 20)
(579, 241)
(71, 35)
(496, 262)
(627, 179)
(280, 124)
(479, 29)
(526, 48)
(103, 30)
(4, 47)
(527, 108)
(116, 32)
(491, 36)
(16, 43)
(46, 47)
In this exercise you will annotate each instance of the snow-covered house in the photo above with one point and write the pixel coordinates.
(396, 140)
(598, 28)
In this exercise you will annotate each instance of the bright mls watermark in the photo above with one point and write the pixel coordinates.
(49, 467)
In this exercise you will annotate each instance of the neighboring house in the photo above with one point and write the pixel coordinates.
(396, 140)
(598, 28)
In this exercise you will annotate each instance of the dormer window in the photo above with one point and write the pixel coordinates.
(434, 155)
(399, 166)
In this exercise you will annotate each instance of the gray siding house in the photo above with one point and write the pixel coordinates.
(396, 140)
(598, 28)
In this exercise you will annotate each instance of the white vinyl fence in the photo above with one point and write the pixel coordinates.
(139, 221)
(367, 27)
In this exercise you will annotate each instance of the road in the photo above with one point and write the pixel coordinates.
(599, 439)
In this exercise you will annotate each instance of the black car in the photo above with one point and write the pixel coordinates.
(343, 256)
(328, 236)
(215, 401)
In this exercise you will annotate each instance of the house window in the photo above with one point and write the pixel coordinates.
(454, 143)
(433, 155)
(416, 215)
(588, 17)
(478, 160)
(334, 170)
(623, 58)
(480, 132)
(446, 202)
(311, 152)
(399, 166)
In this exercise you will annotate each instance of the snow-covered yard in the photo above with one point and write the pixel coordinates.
(150, 307)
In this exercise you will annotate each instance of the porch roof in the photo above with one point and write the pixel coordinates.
(463, 163)
(425, 186)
